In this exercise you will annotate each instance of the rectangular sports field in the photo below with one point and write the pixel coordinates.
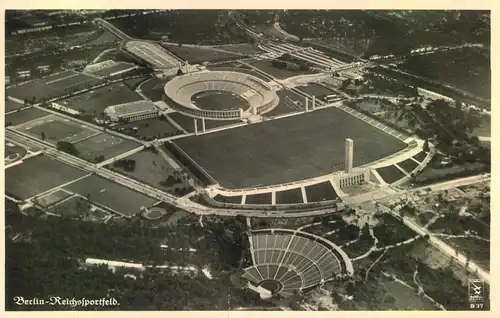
(57, 129)
(38, 174)
(150, 168)
(24, 116)
(112, 195)
(97, 100)
(287, 149)
(52, 86)
(103, 144)
(158, 127)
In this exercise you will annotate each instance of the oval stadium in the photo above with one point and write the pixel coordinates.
(246, 95)
(287, 261)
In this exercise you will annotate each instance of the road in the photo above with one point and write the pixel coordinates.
(111, 28)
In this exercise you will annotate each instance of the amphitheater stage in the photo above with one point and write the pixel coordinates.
(287, 149)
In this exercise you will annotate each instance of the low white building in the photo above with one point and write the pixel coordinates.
(64, 109)
(132, 111)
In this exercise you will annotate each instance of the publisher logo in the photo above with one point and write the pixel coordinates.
(476, 290)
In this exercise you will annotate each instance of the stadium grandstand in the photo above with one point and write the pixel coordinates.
(154, 55)
(288, 261)
(259, 95)
(131, 111)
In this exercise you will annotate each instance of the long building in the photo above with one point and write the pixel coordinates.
(132, 111)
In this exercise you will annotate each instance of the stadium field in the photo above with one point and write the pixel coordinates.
(289, 196)
(57, 129)
(112, 195)
(187, 123)
(198, 55)
(287, 149)
(103, 144)
(147, 129)
(38, 174)
(52, 86)
(97, 100)
(219, 100)
(24, 116)
(267, 67)
(290, 102)
(153, 88)
(11, 106)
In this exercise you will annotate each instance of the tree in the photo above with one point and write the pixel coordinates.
(67, 147)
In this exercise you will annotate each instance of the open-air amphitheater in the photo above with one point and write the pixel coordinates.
(259, 95)
(288, 261)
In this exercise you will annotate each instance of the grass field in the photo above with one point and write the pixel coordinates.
(153, 88)
(198, 55)
(187, 123)
(290, 102)
(150, 168)
(97, 100)
(121, 66)
(320, 192)
(52, 86)
(408, 165)
(13, 152)
(262, 198)
(289, 196)
(225, 199)
(316, 90)
(237, 68)
(38, 174)
(484, 128)
(390, 174)
(420, 156)
(24, 116)
(149, 128)
(104, 38)
(10, 105)
(287, 149)
(245, 48)
(118, 198)
(103, 144)
(267, 67)
(57, 129)
(219, 100)
(478, 250)
(52, 198)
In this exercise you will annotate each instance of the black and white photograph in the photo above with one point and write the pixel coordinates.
(247, 160)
